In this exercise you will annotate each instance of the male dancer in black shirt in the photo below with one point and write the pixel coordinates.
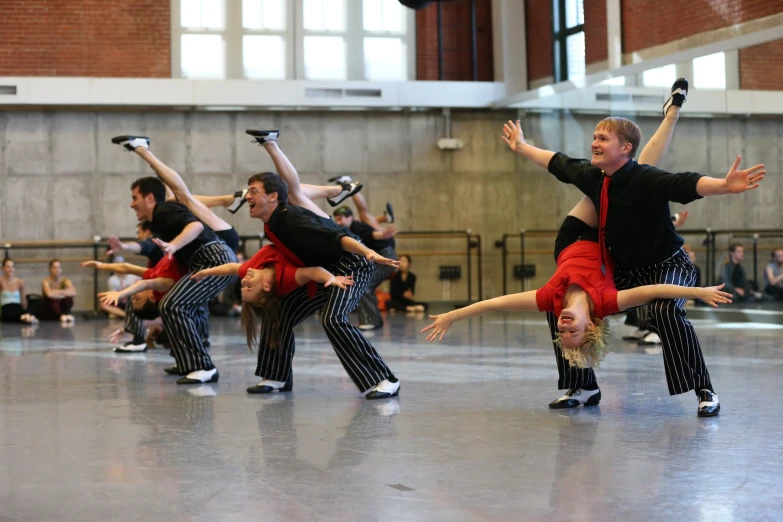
(635, 228)
(181, 235)
(382, 241)
(310, 238)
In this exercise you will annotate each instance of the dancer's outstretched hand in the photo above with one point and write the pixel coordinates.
(743, 180)
(439, 327)
(201, 274)
(168, 249)
(109, 298)
(340, 282)
(513, 136)
(91, 264)
(114, 244)
(116, 335)
(713, 296)
(375, 257)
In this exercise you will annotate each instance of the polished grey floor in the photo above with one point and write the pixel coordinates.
(89, 435)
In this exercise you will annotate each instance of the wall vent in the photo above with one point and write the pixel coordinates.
(7, 90)
(343, 93)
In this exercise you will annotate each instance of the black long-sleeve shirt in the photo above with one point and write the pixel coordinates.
(151, 251)
(397, 286)
(315, 240)
(365, 233)
(168, 221)
(639, 230)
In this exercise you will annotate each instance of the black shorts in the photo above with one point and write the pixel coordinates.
(230, 237)
(572, 230)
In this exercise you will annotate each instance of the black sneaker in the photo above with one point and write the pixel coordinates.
(264, 135)
(678, 96)
(239, 200)
(389, 213)
(349, 189)
(131, 142)
(576, 396)
(709, 405)
(342, 179)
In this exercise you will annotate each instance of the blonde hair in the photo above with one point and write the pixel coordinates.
(592, 351)
(266, 309)
(626, 130)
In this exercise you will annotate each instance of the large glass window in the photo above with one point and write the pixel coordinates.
(709, 72)
(569, 39)
(290, 39)
(660, 76)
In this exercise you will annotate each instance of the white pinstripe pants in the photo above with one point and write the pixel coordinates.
(133, 325)
(682, 357)
(360, 360)
(183, 309)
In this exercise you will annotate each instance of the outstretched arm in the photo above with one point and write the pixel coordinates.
(735, 182)
(118, 268)
(160, 284)
(323, 276)
(351, 245)
(118, 246)
(506, 303)
(712, 295)
(188, 234)
(229, 269)
(515, 139)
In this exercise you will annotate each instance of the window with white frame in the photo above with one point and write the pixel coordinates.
(201, 41)
(264, 53)
(256, 39)
(385, 53)
(709, 72)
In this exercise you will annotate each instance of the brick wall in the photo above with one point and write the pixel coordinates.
(596, 45)
(647, 23)
(538, 19)
(96, 38)
(457, 54)
(760, 67)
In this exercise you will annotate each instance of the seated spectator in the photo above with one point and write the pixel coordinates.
(58, 294)
(117, 283)
(13, 301)
(773, 274)
(735, 278)
(402, 288)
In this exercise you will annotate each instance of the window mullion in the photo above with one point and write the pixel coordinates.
(232, 38)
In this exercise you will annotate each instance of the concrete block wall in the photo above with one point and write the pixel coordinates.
(61, 178)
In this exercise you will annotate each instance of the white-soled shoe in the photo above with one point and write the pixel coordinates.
(269, 386)
(200, 377)
(384, 390)
(131, 142)
(577, 397)
(650, 339)
(709, 404)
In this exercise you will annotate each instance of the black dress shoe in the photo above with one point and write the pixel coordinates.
(264, 135)
(575, 397)
(678, 96)
(188, 380)
(258, 388)
(173, 370)
(349, 189)
(709, 405)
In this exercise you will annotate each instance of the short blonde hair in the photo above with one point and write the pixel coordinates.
(626, 130)
(592, 351)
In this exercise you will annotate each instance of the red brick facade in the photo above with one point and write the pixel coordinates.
(457, 54)
(85, 38)
(760, 67)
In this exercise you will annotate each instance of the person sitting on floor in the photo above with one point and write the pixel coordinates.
(13, 301)
(58, 294)
(402, 288)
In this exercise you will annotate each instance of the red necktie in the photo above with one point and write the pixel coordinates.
(604, 210)
(311, 286)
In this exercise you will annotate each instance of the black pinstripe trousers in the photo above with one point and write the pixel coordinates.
(133, 325)
(568, 376)
(682, 357)
(183, 308)
(360, 360)
(368, 304)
